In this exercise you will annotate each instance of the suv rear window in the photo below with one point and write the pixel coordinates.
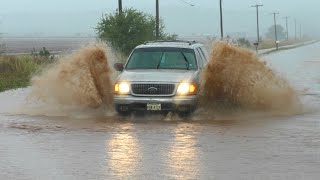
(162, 58)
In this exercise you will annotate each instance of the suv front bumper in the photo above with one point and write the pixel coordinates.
(128, 102)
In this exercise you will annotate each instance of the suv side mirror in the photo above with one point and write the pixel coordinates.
(118, 66)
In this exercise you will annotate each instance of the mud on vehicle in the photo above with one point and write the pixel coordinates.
(160, 76)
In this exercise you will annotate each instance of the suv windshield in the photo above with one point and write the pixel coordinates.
(162, 58)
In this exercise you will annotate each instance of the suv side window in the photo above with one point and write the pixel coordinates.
(200, 58)
(205, 53)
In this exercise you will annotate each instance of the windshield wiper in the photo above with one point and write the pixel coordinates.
(185, 58)
(160, 60)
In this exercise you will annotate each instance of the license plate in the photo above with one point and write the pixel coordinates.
(153, 107)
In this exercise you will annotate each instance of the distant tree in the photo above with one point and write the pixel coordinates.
(280, 33)
(44, 53)
(244, 42)
(128, 29)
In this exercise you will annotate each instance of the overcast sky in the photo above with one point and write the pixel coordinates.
(68, 17)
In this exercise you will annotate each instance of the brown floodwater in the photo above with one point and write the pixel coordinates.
(82, 79)
(41, 141)
(239, 77)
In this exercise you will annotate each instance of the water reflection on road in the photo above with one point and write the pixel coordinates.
(183, 155)
(123, 153)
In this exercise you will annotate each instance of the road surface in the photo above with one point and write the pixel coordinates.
(227, 147)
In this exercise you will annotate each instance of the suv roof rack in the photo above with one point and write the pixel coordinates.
(180, 41)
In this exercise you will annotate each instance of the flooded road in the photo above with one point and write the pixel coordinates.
(222, 147)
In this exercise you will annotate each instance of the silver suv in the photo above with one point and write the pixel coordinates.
(160, 76)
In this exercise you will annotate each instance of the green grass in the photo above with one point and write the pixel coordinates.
(13, 81)
(16, 71)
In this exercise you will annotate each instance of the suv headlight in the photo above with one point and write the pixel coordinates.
(122, 88)
(187, 89)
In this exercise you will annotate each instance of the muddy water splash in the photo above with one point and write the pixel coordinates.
(82, 79)
(238, 77)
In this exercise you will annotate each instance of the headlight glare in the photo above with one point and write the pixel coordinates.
(186, 89)
(122, 88)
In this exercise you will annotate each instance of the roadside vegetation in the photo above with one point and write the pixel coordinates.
(270, 43)
(243, 42)
(16, 71)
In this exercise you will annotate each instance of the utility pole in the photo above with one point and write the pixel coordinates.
(120, 6)
(157, 20)
(275, 29)
(287, 27)
(257, 9)
(221, 20)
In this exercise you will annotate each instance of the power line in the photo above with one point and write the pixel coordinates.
(183, 1)
(158, 16)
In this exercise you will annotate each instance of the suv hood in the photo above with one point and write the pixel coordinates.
(157, 75)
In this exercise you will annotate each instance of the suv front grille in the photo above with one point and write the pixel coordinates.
(152, 89)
